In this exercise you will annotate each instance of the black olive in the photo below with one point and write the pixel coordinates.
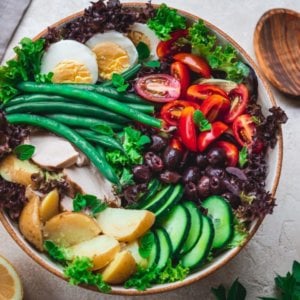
(154, 162)
(216, 185)
(141, 173)
(191, 174)
(169, 177)
(203, 187)
(190, 191)
(216, 157)
(158, 143)
(201, 161)
(210, 171)
(234, 200)
(172, 158)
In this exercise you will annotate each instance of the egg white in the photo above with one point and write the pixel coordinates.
(69, 50)
(153, 39)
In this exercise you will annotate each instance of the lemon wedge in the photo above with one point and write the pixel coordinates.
(10, 283)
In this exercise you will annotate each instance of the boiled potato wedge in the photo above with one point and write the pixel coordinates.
(29, 222)
(133, 248)
(125, 225)
(19, 171)
(69, 228)
(101, 249)
(49, 206)
(120, 269)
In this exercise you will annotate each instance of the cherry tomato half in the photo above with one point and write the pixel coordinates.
(164, 48)
(181, 72)
(232, 152)
(202, 91)
(207, 137)
(158, 87)
(195, 63)
(171, 111)
(239, 99)
(187, 129)
(244, 129)
(215, 107)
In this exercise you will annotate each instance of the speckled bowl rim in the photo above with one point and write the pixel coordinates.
(203, 273)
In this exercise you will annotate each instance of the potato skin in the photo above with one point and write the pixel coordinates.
(120, 269)
(49, 206)
(30, 223)
(68, 228)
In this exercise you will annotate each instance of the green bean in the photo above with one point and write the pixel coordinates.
(126, 75)
(91, 97)
(66, 108)
(146, 109)
(71, 136)
(84, 122)
(103, 140)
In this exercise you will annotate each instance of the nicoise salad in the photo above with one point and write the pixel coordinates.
(133, 148)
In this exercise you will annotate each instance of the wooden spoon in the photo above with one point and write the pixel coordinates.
(277, 48)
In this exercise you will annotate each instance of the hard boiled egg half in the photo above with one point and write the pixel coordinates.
(70, 62)
(139, 32)
(115, 53)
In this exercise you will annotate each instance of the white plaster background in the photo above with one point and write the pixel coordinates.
(277, 242)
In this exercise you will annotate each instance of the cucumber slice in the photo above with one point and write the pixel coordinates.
(154, 253)
(220, 212)
(153, 187)
(164, 246)
(200, 251)
(195, 228)
(172, 200)
(177, 224)
(160, 198)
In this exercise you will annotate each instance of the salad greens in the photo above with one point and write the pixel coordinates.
(25, 67)
(143, 50)
(223, 58)
(79, 272)
(55, 252)
(91, 202)
(24, 152)
(243, 156)
(240, 234)
(133, 142)
(166, 20)
(145, 278)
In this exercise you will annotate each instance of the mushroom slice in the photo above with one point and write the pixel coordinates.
(52, 152)
(90, 181)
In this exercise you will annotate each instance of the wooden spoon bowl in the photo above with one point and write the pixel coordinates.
(277, 48)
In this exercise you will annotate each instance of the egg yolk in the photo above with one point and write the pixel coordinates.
(137, 37)
(71, 71)
(111, 58)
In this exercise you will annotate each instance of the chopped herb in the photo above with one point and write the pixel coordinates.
(25, 67)
(236, 292)
(103, 129)
(24, 151)
(243, 157)
(79, 272)
(143, 50)
(55, 252)
(166, 21)
(146, 244)
(201, 121)
(126, 177)
(219, 57)
(119, 83)
(91, 202)
(152, 64)
(43, 78)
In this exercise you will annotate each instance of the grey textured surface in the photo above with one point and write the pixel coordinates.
(277, 242)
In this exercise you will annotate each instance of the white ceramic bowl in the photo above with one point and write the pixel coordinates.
(274, 159)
